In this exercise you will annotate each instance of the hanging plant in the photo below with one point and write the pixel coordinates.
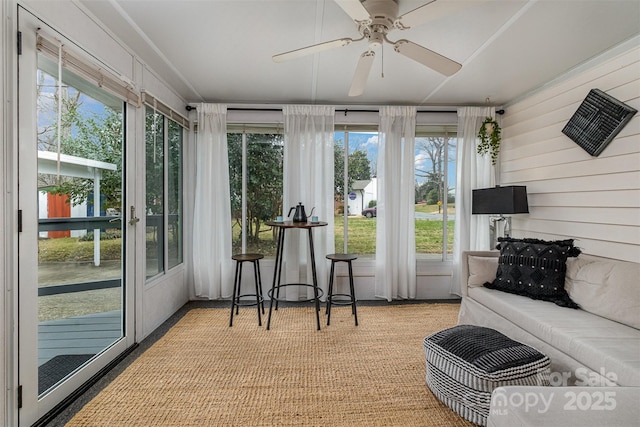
(489, 135)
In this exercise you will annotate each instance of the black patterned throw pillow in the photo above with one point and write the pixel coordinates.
(534, 268)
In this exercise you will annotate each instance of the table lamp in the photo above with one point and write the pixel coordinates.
(499, 201)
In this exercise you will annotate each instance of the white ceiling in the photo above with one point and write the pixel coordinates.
(220, 50)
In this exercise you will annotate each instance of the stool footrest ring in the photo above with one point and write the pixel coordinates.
(340, 301)
(248, 303)
(270, 292)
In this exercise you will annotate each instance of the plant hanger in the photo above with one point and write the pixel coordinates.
(490, 137)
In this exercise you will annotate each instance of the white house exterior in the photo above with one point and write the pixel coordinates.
(362, 193)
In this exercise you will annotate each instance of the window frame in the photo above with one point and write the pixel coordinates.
(347, 130)
(449, 132)
(166, 267)
(244, 130)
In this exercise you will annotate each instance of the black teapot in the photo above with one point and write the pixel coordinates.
(299, 215)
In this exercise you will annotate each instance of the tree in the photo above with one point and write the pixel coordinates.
(359, 167)
(88, 129)
(47, 109)
(93, 136)
(154, 162)
(338, 170)
(421, 191)
(434, 187)
(264, 178)
(174, 169)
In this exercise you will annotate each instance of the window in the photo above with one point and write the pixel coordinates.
(154, 186)
(435, 174)
(163, 185)
(174, 186)
(356, 192)
(256, 174)
(255, 179)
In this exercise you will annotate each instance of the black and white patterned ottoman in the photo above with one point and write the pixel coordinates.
(466, 363)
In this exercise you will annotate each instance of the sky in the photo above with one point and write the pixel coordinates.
(47, 109)
(368, 142)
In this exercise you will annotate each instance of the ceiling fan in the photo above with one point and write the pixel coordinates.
(375, 19)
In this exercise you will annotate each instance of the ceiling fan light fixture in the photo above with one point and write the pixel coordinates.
(376, 38)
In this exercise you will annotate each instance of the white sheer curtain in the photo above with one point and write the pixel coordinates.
(212, 262)
(474, 171)
(308, 178)
(395, 236)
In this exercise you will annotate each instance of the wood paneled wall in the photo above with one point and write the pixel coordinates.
(595, 200)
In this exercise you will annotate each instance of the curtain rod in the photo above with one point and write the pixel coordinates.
(345, 111)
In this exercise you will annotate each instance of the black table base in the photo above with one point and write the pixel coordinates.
(274, 293)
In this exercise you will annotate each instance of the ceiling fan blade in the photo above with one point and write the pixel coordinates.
(362, 73)
(297, 53)
(354, 9)
(427, 57)
(433, 10)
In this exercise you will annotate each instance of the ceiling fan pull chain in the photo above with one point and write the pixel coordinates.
(382, 61)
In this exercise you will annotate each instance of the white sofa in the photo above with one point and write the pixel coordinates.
(596, 345)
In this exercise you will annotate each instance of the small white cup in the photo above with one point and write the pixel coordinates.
(278, 218)
(314, 219)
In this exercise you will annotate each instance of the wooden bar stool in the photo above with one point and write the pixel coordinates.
(237, 284)
(331, 295)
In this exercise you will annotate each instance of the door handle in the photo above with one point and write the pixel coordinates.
(134, 219)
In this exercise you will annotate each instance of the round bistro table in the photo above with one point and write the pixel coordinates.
(274, 293)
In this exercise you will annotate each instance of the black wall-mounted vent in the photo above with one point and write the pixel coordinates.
(597, 121)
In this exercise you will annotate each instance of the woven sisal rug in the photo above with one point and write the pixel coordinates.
(203, 373)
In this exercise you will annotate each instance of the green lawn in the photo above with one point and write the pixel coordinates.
(72, 249)
(424, 208)
(362, 235)
(362, 240)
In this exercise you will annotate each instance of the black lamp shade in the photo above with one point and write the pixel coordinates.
(500, 200)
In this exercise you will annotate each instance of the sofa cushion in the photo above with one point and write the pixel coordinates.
(534, 268)
(598, 343)
(481, 269)
(608, 288)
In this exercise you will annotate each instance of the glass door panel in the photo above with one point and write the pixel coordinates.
(80, 236)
